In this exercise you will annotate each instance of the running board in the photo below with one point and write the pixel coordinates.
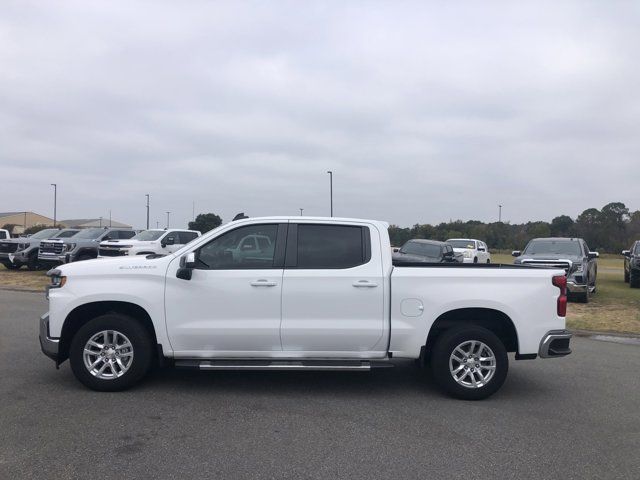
(345, 365)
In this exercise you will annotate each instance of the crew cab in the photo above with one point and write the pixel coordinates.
(632, 265)
(82, 246)
(570, 254)
(327, 296)
(472, 251)
(148, 242)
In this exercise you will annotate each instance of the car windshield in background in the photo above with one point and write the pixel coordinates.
(66, 234)
(90, 233)
(637, 249)
(461, 244)
(149, 235)
(49, 232)
(553, 247)
(422, 249)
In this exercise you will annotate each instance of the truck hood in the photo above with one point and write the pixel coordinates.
(115, 266)
(124, 242)
(548, 256)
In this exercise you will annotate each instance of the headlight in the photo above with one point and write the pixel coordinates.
(577, 268)
(126, 246)
(22, 246)
(70, 246)
(57, 279)
(467, 254)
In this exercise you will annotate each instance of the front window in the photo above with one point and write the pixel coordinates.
(149, 235)
(48, 233)
(66, 234)
(553, 247)
(468, 244)
(90, 233)
(422, 249)
(250, 247)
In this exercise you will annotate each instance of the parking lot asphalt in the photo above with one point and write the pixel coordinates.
(577, 417)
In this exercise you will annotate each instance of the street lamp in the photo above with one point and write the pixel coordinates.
(301, 210)
(55, 202)
(499, 213)
(331, 189)
(168, 219)
(147, 195)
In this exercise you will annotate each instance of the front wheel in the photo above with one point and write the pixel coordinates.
(634, 278)
(11, 266)
(110, 353)
(469, 362)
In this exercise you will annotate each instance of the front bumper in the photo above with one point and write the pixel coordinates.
(50, 346)
(52, 258)
(555, 343)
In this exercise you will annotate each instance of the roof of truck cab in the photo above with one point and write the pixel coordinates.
(297, 218)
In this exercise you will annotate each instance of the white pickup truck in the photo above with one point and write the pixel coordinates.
(315, 294)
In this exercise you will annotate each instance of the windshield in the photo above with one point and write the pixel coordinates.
(66, 233)
(91, 233)
(553, 247)
(149, 235)
(49, 232)
(637, 249)
(462, 244)
(422, 249)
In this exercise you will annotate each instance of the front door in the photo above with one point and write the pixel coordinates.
(333, 292)
(231, 306)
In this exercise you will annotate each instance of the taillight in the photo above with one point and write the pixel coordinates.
(560, 281)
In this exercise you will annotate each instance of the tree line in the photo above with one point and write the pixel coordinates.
(610, 229)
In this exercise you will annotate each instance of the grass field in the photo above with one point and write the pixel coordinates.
(614, 308)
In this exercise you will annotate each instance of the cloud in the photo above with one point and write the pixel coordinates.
(424, 111)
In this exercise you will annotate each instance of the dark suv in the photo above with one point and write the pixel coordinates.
(632, 265)
(572, 255)
(426, 251)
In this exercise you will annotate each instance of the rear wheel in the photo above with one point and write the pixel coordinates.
(488, 260)
(110, 353)
(475, 259)
(469, 362)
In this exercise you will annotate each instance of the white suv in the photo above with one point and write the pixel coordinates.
(148, 242)
(473, 251)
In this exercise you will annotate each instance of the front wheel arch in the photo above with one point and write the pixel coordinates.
(84, 313)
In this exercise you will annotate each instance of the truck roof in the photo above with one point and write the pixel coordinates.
(297, 218)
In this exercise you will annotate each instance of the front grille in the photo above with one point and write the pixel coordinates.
(8, 247)
(51, 247)
(563, 264)
(111, 252)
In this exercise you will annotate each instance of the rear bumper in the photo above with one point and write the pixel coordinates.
(49, 346)
(574, 287)
(555, 343)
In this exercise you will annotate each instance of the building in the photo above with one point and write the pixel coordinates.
(91, 222)
(23, 220)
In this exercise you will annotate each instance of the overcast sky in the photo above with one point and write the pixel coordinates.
(425, 111)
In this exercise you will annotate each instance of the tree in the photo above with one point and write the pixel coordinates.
(205, 222)
(35, 229)
(563, 226)
(9, 227)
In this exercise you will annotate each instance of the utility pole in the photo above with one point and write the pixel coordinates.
(147, 195)
(331, 189)
(193, 212)
(109, 218)
(500, 213)
(55, 202)
(100, 222)
(157, 224)
(168, 219)
(301, 210)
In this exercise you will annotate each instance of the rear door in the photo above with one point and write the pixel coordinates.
(332, 292)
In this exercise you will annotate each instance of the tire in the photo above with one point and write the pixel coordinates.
(459, 339)
(475, 259)
(626, 277)
(488, 260)
(11, 266)
(634, 278)
(118, 373)
(581, 297)
(32, 263)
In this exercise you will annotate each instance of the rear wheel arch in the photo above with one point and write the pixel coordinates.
(493, 320)
(84, 313)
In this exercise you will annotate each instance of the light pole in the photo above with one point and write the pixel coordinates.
(100, 222)
(168, 219)
(301, 210)
(109, 218)
(147, 195)
(499, 213)
(331, 189)
(55, 202)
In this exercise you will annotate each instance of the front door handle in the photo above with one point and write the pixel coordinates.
(263, 283)
(364, 284)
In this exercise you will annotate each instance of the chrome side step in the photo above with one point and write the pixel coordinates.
(257, 365)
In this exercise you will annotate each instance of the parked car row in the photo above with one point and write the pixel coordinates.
(52, 247)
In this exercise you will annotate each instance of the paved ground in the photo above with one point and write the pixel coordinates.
(577, 417)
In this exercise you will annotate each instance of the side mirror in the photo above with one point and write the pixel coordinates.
(626, 253)
(516, 253)
(187, 264)
(594, 254)
(395, 249)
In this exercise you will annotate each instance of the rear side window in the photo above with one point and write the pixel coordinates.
(331, 246)
(186, 237)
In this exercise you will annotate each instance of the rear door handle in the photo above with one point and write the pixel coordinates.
(364, 284)
(263, 283)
